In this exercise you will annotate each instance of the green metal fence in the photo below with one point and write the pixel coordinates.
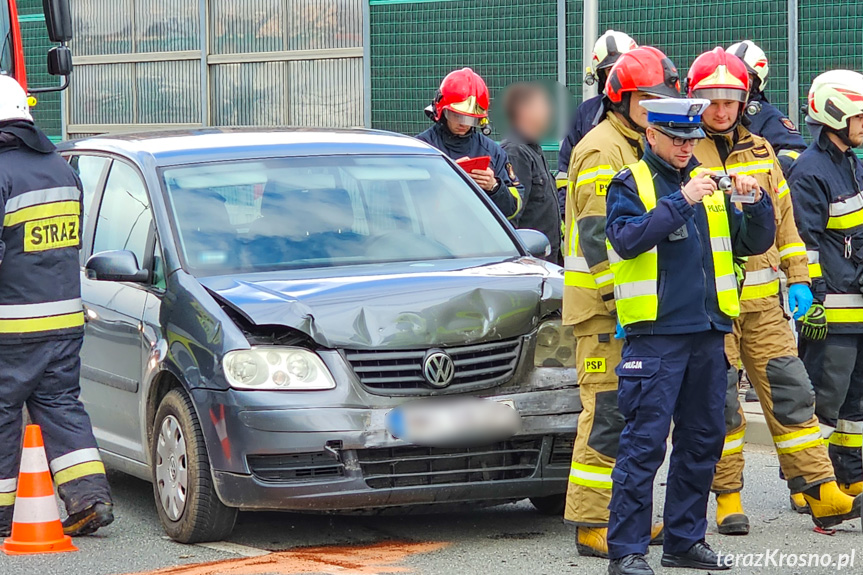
(36, 44)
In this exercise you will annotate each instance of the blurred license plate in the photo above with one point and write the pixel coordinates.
(454, 422)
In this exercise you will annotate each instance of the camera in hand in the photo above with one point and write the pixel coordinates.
(723, 183)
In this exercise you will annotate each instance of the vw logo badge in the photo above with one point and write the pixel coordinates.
(438, 368)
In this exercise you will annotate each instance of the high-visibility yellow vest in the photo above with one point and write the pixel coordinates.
(636, 281)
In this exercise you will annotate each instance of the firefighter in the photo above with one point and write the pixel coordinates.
(42, 319)
(528, 111)
(765, 119)
(672, 243)
(588, 300)
(459, 108)
(825, 185)
(607, 49)
(762, 336)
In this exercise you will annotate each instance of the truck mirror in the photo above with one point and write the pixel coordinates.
(60, 61)
(58, 20)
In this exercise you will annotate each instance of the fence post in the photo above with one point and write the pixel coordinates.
(589, 36)
(793, 63)
(203, 22)
(367, 65)
(561, 42)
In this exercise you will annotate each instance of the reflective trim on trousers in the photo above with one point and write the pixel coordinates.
(733, 443)
(76, 465)
(591, 476)
(7, 492)
(798, 440)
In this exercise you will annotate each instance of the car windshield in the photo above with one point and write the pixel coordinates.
(302, 212)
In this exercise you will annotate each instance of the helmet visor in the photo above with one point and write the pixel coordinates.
(721, 94)
(462, 119)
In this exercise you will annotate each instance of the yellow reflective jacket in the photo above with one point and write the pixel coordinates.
(588, 297)
(752, 155)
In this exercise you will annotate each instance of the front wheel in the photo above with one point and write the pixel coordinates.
(188, 506)
(550, 504)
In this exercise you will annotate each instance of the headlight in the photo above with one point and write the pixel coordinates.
(555, 345)
(277, 368)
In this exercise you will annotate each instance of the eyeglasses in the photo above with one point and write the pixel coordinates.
(680, 142)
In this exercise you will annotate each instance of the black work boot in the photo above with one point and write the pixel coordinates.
(90, 520)
(630, 565)
(699, 556)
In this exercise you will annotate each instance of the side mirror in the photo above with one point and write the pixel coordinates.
(536, 243)
(58, 20)
(60, 61)
(116, 266)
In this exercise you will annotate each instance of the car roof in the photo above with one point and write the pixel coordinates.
(174, 147)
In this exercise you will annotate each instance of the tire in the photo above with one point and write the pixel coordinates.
(196, 513)
(550, 504)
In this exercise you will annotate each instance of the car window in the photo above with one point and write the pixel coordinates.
(89, 169)
(294, 213)
(125, 218)
(159, 279)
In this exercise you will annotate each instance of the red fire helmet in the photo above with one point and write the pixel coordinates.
(462, 92)
(644, 69)
(718, 75)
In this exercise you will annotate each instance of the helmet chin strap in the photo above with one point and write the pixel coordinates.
(843, 135)
(623, 109)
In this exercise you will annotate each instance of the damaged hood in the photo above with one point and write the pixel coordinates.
(399, 306)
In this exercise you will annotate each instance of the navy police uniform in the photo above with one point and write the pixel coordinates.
(826, 186)
(775, 127)
(507, 196)
(673, 367)
(42, 320)
(588, 114)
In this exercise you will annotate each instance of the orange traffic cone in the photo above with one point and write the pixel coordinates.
(36, 526)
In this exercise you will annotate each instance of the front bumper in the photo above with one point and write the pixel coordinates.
(343, 459)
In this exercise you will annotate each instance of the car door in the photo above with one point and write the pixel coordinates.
(111, 367)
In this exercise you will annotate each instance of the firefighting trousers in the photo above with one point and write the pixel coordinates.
(836, 367)
(599, 427)
(44, 376)
(678, 378)
(765, 343)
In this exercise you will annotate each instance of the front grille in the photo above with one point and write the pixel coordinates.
(561, 450)
(295, 467)
(476, 366)
(412, 466)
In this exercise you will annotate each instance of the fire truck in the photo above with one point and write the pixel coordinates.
(58, 20)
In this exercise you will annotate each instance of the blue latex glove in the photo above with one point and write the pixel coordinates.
(799, 300)
(620, 334)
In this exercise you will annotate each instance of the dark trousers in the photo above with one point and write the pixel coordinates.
(44, 376)
(835, 367)
(680, 378)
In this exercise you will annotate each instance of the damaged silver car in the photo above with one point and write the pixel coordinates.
(315, 321)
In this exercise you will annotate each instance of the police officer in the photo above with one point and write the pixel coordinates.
(826, 183)
(607, 49)
(762, 336)
(42, 319)
(672, 246)
(765, 119)
(528, 110)
(588, 299)
(459, 107)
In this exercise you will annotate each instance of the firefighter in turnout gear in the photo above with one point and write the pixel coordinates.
(588, 301)
(762, 336)
(672, 241)
(826, 183)
(459, 108)
(765, 119)
(42, 319)
(606, 51)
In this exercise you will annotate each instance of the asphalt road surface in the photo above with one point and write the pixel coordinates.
(508, 539)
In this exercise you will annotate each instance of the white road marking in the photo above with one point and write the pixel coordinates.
(235, 548)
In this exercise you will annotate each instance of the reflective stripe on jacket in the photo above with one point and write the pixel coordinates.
(636, 280)
(589, 286)
(748, 154)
